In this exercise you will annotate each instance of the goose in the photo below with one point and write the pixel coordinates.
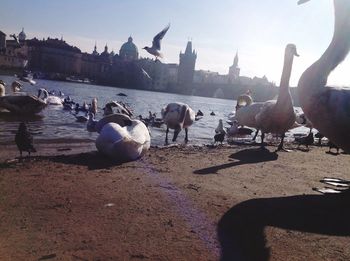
(177, 116)
(20, 104)
(49, 99)
(24, 140)
(277, 117)
(126, 142)
(155, 49)
(328, 107)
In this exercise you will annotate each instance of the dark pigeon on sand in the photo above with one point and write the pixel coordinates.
(306, 140)
(24, 140)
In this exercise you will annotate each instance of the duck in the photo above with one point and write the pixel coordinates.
(49, 99)
(328, 107)
(127, 141)
(177, 116)
(24, 140)
(20, 104)
(278, 117)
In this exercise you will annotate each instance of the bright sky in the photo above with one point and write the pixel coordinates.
(258, 29)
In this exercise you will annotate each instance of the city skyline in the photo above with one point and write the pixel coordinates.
(259, 30)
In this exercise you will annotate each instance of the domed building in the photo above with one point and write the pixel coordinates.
(129, 51)
(22, 36)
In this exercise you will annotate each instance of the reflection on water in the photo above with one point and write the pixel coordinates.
(54, 122)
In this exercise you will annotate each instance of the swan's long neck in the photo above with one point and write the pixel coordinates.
(284, 94)
(315, 77)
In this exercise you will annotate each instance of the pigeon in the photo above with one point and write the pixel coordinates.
(155, 49)
(24, 139)
(306, 140)
(332, 146)
(219, 137)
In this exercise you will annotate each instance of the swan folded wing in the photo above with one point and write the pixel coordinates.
(123, 143)
(118, 118)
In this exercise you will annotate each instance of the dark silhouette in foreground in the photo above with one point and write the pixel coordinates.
(241, 229)
(247, 156)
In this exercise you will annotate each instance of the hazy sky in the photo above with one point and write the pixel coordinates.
(258, 29)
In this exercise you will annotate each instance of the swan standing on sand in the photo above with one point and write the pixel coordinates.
(278, 117)
(177, 116)
(126, 141)
(329, 108)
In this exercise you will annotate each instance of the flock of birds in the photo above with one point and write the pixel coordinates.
(326, 109)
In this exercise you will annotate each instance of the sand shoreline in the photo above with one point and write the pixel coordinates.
(176, 203)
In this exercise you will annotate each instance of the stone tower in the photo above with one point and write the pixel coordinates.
(234, 70)
(187, 65)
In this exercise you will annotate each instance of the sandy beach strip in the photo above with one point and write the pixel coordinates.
(178, 203)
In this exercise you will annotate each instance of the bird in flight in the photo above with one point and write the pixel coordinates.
(155, 49)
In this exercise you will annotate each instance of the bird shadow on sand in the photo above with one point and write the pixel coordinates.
(241, 229)
(247, 156)
(93, 160)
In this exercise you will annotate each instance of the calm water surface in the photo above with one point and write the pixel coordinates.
(55, 123)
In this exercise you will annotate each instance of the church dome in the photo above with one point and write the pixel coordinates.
(129, 50)
(22, 36)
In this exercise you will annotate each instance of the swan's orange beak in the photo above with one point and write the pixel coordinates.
(302, 1)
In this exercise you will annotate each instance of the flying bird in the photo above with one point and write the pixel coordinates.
(155, 49)
(24, 140)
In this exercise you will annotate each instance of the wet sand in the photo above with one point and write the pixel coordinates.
(177, 203)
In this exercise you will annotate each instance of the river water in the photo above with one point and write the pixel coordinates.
(55, 123)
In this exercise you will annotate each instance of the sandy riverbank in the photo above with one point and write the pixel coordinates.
(177, 203)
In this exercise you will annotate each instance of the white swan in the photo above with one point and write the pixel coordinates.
(49, 99)
(177, 116)
(278, 117)
(329, 108)
(124, 143)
